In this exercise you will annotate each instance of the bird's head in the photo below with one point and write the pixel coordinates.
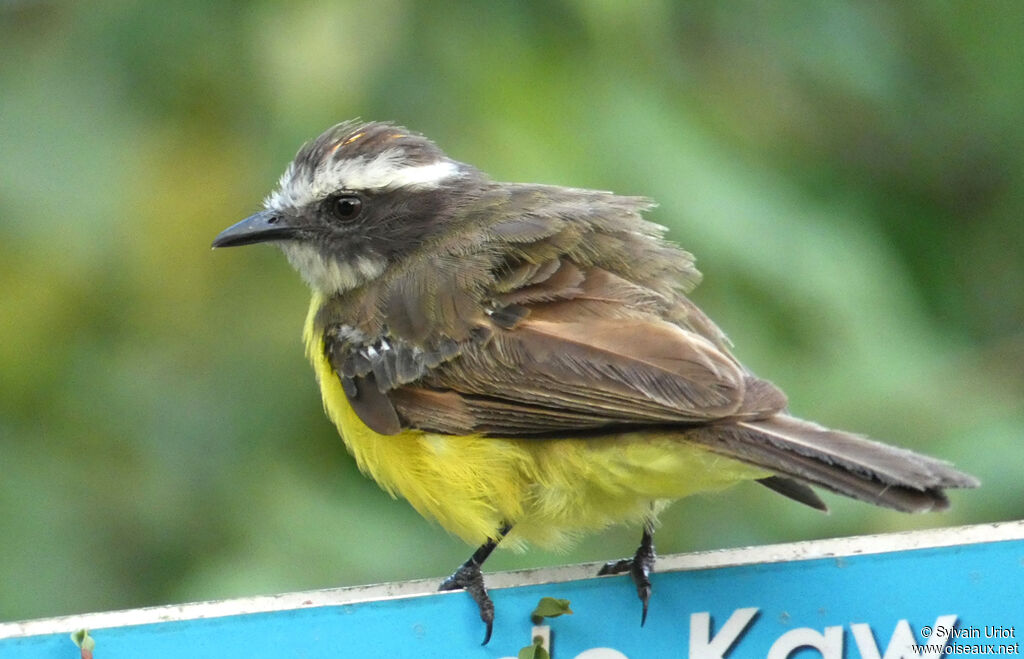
(353, 200)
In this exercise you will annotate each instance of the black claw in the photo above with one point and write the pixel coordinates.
(469, 578)
(639, 568)
(615, 567)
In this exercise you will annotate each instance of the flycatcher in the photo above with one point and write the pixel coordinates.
(522, 363)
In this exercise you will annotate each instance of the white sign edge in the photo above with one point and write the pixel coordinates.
(779, 553)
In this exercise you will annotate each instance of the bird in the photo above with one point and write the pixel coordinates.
(523, 363)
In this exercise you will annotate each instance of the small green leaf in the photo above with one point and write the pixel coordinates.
(549, 607)
(534, 651)
(83, 640)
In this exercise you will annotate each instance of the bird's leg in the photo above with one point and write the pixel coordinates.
(639, 567)
(469, 578)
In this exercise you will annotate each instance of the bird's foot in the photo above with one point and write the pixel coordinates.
(639, 568)
(469, 578)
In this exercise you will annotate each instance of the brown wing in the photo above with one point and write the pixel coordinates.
(572, 349)
(549, 310)
(555, 311)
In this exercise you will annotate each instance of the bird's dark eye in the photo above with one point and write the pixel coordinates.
(347, 206)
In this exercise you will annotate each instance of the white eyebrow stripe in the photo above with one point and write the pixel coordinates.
(382, 172)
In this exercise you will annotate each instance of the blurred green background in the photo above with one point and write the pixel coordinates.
(848, 175)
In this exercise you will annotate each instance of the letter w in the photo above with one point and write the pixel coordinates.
(902, 642)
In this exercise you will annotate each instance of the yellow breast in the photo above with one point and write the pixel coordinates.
(548, 489)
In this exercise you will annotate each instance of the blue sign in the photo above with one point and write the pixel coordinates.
(934, 594)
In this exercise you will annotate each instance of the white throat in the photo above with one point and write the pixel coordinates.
(330, 276)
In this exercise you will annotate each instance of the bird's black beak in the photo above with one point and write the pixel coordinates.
(258, 228)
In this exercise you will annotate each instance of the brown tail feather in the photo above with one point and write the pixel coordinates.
(795, 490)
(839, 461)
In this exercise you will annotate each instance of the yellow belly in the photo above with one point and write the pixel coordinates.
(549, 489)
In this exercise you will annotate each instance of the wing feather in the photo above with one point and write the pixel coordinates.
(555, 312)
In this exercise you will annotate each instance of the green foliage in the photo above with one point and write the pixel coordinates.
(82, 639)
(848, 175)
(550, 607)
(547, 607)
(534, 651)
(84, 642)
